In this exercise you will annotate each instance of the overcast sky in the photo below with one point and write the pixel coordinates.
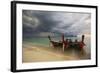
(35, 23)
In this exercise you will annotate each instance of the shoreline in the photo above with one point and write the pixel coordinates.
(34, 53)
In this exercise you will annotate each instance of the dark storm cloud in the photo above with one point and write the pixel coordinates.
(45, 23)
(35, 23)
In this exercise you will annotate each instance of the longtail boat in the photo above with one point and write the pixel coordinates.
(68, 43)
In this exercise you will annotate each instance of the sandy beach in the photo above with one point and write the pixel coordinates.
(34, 53)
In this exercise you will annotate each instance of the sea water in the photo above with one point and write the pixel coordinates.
(44, 41)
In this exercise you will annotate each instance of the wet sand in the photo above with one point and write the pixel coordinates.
(34, 53)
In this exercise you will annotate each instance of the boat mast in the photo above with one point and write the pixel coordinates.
(83, 36)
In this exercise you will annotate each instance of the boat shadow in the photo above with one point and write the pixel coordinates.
(80, 53)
